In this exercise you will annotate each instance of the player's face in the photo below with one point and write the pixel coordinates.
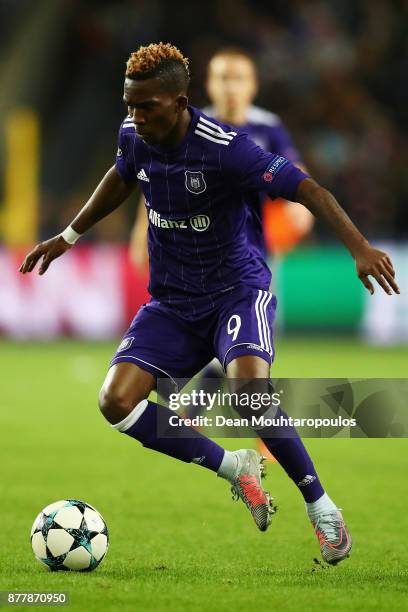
(155, 112)
(231, 82)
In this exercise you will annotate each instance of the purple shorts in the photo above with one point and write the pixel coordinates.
(163, 343)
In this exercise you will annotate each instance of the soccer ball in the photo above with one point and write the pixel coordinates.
(70, 535)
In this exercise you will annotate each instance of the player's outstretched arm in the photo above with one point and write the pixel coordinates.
(111, 192)
(301, 218)
(369, 261)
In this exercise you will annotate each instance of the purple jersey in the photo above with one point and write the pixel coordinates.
(199, 195)
(266, 130)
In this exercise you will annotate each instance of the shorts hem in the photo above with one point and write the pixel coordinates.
(245, 348)
(144, 365)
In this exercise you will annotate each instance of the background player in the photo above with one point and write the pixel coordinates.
(198, 278)
(232, 85)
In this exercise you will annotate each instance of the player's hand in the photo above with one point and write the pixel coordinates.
(375, 263)
(48, 250)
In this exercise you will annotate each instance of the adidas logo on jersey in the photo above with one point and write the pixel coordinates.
(199, 223)
(142, 176)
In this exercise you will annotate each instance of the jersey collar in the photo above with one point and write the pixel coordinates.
(195, 115)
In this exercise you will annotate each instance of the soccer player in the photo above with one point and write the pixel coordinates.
(232, 85)
(209, 287)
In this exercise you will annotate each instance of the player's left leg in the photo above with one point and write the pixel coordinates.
(245, 348)
(290, 452)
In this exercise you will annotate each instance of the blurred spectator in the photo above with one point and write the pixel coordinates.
(336, 72)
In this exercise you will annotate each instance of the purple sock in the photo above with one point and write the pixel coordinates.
(288, 449)
(152, 429)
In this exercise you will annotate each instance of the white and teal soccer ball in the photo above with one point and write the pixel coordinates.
(70, 535)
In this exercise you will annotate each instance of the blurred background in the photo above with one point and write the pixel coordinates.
(335, 72)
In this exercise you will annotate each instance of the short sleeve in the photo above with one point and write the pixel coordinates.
(282, 143)
(124, 163)
(250, 168)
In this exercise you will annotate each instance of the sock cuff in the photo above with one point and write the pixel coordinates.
(322, 504)
(228, 465)
(132, 417)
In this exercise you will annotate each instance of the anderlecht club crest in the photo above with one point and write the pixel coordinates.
(195, 182)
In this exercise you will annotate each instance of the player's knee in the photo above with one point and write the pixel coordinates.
(114, 403)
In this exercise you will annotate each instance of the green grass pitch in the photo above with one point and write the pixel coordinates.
(178, 542)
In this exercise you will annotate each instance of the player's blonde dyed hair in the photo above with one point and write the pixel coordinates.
(153, 59)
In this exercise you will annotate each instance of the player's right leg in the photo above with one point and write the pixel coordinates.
(124, 402)
(126, 386)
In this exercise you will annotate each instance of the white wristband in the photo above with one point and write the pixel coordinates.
(70, 235)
